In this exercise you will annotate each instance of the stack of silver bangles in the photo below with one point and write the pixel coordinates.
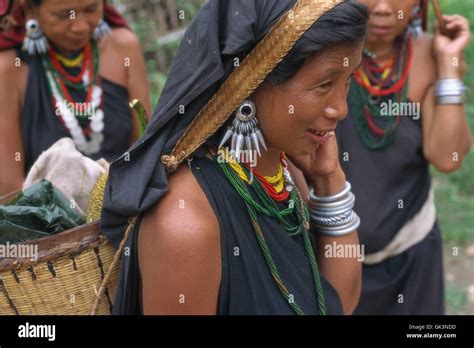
(334, 215)
(450, 91)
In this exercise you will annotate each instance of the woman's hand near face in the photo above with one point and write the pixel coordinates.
(322, 168)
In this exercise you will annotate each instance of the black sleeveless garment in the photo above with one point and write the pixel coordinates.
(40, 127)
(247, 287)
(391, 186)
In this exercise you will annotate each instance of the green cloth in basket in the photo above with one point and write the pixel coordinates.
(39, 211)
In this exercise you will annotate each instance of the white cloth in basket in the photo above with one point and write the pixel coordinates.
(69, 171)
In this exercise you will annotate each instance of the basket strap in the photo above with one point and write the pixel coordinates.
(116, 259)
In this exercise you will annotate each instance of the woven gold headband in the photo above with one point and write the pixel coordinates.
(247, 77)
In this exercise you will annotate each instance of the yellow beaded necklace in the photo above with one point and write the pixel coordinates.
(276, 180)
(70, 62)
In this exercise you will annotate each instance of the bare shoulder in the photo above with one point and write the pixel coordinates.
(13, 79)
(116, 49)
(7, 59)
(10, 65)
(184, 208)
(123, 38)
(179, 250)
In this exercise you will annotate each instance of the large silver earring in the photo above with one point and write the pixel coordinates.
(102, 29)
(34, 42)
(244, 131)
(415, 28)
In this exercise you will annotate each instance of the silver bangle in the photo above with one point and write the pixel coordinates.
(451, 100)
(327, 199)
(334, 215)
(340, 231)
(348, 200)
(333, 212)
(334, 221)
(327, 214)
(450, 91)
(449, 87)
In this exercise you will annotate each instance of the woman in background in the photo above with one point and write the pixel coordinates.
(386, 152)
(69, 69)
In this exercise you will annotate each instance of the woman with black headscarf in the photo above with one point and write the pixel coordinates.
(226, 232)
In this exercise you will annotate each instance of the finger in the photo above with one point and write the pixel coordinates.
(448, 18)
(453, 29)
(459, 20)
(457, 25)
(454, 16)
(459, 17)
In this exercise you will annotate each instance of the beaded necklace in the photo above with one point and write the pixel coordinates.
(374, 86)
(239, 177)
(84, 120)
(70, 62)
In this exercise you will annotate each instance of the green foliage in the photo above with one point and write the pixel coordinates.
(456, 298)
(455, 211)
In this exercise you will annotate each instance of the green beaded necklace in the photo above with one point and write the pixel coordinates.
(268, 207)
(357, 97)
(378, 131)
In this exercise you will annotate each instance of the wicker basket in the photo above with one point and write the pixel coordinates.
(64, 279)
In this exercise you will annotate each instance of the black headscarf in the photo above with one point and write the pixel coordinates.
(222, 31)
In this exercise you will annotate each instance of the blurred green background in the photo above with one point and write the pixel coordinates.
(160, 24)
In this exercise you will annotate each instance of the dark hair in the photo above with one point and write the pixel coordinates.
(345, 23)
(35, 2)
